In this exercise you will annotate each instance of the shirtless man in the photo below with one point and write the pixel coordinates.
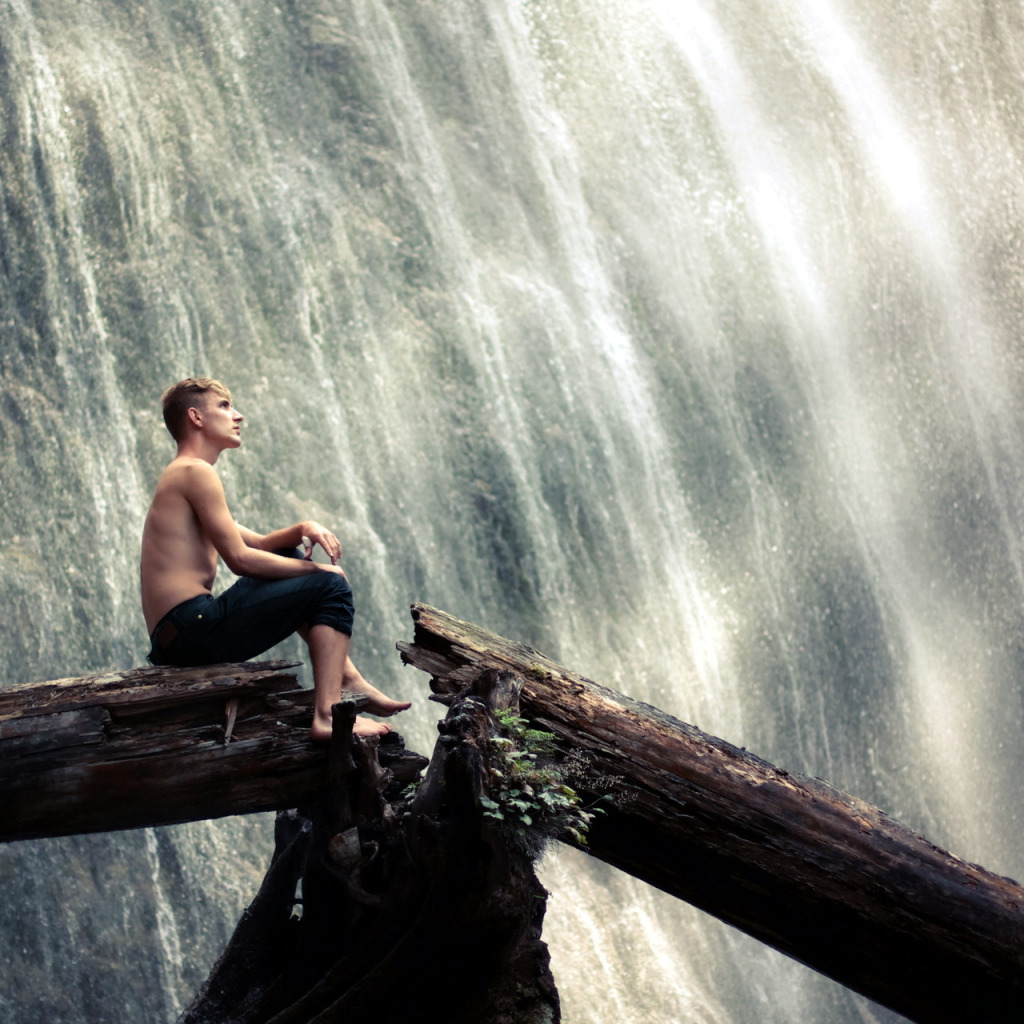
(279, 592)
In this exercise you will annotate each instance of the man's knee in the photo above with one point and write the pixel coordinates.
(334, 606)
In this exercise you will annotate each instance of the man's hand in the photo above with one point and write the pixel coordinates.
(313, 533)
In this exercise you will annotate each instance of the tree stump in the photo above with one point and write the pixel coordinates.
(391, 903)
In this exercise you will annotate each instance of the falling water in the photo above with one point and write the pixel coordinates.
(677, 338)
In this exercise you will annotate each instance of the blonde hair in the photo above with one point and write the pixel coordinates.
(187, 394)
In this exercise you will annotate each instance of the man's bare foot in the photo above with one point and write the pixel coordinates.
(380, 704)
(384, 706)
(368, 727)
(321, 731)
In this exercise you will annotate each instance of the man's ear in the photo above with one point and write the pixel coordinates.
(195, 416)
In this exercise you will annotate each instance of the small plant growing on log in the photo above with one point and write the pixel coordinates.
(529, 797)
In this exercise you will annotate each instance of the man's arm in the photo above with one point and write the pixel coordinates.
(203, 490)
(292, 537)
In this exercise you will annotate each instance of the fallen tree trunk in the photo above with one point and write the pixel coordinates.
(805, 868)
(156, 746)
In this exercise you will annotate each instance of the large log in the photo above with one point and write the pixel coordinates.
(818, 874)
(155, 746)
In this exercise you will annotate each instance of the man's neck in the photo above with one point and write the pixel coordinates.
(198, 448)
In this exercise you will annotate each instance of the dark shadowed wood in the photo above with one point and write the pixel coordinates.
(805, 868)
(413, 907)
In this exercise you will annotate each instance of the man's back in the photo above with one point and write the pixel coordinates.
(178, 560)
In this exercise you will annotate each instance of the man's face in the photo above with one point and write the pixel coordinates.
(222, 422)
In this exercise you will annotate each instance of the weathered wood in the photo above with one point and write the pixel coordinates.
(148, 747)
(805, 868)
(144, 688)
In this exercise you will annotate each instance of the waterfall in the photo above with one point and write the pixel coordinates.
(676, 338)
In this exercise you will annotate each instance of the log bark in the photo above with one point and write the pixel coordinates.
(816, 873)
(156, 746)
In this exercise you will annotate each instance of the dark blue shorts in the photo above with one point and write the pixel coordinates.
(250, 617)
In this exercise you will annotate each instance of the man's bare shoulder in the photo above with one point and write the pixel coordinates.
(187, 465)
(185, 473)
